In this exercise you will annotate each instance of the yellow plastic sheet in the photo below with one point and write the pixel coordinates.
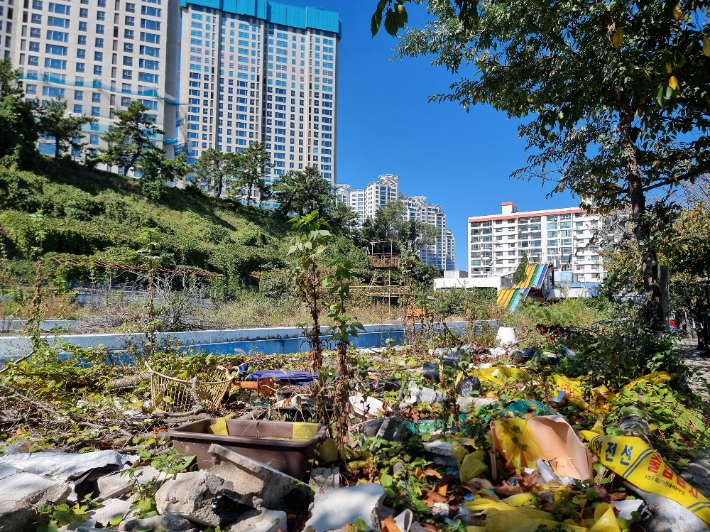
(219, 427)
(604, 519)
(473, 465)
(501, 375)
(519, 499)
(510, 436)
(328, 451)
(304, 431)
(631, 458)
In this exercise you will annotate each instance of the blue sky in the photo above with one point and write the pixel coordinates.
(386, 126)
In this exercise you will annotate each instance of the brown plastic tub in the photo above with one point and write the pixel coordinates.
(253, 440)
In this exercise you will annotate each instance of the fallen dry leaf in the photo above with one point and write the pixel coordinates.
(431, 472)
(388, 525)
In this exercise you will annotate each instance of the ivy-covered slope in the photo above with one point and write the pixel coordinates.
(97, 215)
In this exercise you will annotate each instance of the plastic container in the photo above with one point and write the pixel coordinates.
(269, 442)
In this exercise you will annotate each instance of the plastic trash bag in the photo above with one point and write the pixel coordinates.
(505, 435)
(473, 465)
(604, 519)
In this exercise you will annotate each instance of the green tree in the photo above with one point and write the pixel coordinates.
(65, 130)
(301, 192)
(392, 221)
(156, 170)
(130, 138)
(18, 119)
(247, 171)
(342, 220)
(520, 274)
(617, 94)
(213, 168)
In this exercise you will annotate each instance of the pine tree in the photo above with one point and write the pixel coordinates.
(65, 130)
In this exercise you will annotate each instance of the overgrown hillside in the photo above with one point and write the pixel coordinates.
(97, 215)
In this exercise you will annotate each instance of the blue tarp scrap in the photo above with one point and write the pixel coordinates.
(297, 378)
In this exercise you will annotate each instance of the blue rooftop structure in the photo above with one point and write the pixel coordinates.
(275, 13)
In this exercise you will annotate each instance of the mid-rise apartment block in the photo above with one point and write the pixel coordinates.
(377, 194)
(99, 55)
(497, 242)
(255, 70)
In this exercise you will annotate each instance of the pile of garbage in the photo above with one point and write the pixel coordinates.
(470, 438)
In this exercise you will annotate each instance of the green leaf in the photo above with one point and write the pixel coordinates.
(386, 481)
(115, 520)
(360, 524)
(391, 23)
(62, 517)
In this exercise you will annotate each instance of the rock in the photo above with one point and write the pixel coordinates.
(404, 520)
(168, 523)
(190, 495)
(463, 402)
(264, 521)
(63, 466)
(371, 427)
(431, 396)
(324, 479)
(257, 483)
(336, 508)
(440, 452)
(667, 515)
(118, 484)
(19, 492)
(392, 429)
(109, 509)
(698, 472)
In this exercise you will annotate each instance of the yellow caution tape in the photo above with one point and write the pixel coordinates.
(572, 386)
(656, 378)
(631, 458)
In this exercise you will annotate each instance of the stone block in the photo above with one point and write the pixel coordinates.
(190, 495)
(324, 479)
(256, 483)
(440, 452)
(667, 515)
(261, 521)
(336, 508)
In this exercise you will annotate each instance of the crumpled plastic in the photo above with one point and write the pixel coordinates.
(510, 437)
(501, 375)
(655, 378)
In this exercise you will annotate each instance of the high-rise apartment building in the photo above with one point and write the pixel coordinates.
(497, 243)
(7, 18)
(99, 55)
(377, 194)
(256, 70)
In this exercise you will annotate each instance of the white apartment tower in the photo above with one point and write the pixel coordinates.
(7, 17)
(560, 236)
(256, 70)
(99, 55)
(377, 194)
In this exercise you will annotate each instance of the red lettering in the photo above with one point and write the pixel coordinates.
(654, 464)
(693, 491)
(667, 473)
(680, 482)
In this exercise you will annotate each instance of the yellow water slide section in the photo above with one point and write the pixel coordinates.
(505, 296)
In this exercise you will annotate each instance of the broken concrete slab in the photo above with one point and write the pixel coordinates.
(336, 508)
(168, 523)
(109, 509)
(263, 521)
(324, 479)
(63, 466)
(119, 484)
(258, 484)
(189, 495)
(441, 452)
(20, 492)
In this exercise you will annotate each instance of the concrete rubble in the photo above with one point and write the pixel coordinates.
(189, 495)
(334, 509)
